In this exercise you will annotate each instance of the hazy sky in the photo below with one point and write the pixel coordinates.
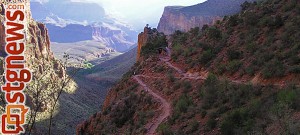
(137, 12)
(140, 12)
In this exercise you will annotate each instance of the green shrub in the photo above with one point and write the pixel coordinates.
(227, 127)
(250, 18)
(289, 5)
(188, 52)
(233, 54)
(171, 77)
(274, 68)
(206, 57)
(211, 123)
(234, 66)
(177, 85)
(124, 114)
(165, 129)
(294, 69)
(250, 70)
(203, 113)
(214, 33)
(152, 45)
(251, 47)
(233, 20)
(221, 68)
(211, 80)
(245, 5)
(238, 120)
(204, 27)
(289, 97)
(194, 126)
(183, 103)
(187, 86)
(195, 31)
(159, 68)
(210, 91)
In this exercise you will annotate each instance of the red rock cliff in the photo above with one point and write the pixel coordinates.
(142, 40)
(39, 59)
(38, 53)
(184, 18)
(173, 20)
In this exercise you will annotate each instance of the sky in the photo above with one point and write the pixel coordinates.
(140, 12)
(137, 13)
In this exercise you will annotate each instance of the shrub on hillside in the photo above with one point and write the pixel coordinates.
(204, 27)
(165, 129)
(294, 69)
(183, 103)
(214, 33)
(273, 68)
(152, 46)
(239, 121)
(250, 18)
(234, 66)
(211, 123)
(233, 54)
(233, 20)
(187, 86)
(206, 57)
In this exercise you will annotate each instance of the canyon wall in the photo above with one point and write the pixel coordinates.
(48, 73)
(184, 18)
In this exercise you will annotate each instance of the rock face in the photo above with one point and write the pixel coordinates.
(184, 18)
(37, 40)
(142, 40)
(145, 37)
(39, 57)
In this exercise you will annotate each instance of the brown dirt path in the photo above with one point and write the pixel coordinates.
(166, 108)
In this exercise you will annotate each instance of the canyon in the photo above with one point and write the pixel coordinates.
(212, 80)
(209, 12)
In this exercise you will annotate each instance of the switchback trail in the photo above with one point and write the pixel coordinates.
(167, 60)
(166, 108)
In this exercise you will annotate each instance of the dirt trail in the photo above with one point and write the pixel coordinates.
(166, 108)
(167, 60)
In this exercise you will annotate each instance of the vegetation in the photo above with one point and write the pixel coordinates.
(260, 43)
(262, 27)
(157, 41)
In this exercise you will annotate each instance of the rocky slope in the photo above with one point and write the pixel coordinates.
(219, 80)
(49, 74)
(184, 18)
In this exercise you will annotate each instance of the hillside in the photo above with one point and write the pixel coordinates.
(184, 18)
(111, 70)
(239, 76)
(54, 88)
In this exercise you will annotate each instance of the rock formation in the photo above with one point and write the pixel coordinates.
(184, 18)
(48, 73)
(142, 40)
(148, 36)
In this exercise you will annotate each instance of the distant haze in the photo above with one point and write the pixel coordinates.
(137, 12)
(140, 12)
